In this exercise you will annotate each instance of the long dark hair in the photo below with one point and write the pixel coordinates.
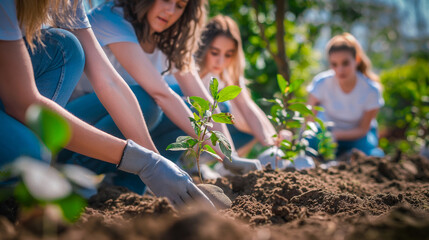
(179, 41)
(223, 26)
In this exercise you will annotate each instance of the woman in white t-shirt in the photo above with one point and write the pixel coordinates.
(42, 66)
(146, 40)
(350, 93)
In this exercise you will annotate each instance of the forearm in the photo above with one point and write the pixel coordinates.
(85, 139)
(113, 92)
(259, 124)
(351, 134)
(123, 107)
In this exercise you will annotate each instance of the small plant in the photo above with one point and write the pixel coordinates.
(291, 114)
(45, 190)
(326, 145)
(203, 121)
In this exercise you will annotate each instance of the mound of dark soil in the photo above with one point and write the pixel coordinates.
(366, 198)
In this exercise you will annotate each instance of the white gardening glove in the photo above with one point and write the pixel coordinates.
(162, 176)
(240, 165)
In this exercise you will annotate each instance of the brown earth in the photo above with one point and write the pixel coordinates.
(366, 198)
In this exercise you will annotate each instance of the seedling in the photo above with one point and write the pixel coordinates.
(289, 113)
(203, 120)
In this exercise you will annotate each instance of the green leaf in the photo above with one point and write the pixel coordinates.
(286, 143)
(214, 86)
(294, 85)
(281, 81)
(229, 93)
(208, 149)
(321, 123)
(293, 124)
(195, 126)
(23, 196)
(182, 143)
(183, 139)
(214, 138)
(301, 108)
(274, 110)
(196, 117)
(200, 104)
(224, 144)
(318, 108)
(52, 129)
(72, 207)
(178, 146)
(223, 118)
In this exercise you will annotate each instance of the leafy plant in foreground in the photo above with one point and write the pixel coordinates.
(288, 113)
(38, 186)
(202, 122)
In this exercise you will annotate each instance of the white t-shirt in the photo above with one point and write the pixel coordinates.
(345, 110)
(9, 26)
(110, 26)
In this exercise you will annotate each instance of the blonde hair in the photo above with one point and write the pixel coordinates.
(347, 42)
(34, 13)
(180, 40)
(223, 26)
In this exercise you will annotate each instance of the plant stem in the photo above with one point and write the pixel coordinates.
(198, 163)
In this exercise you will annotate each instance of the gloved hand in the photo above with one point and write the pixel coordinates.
(269, 156)
(240, 165)
(162, 176)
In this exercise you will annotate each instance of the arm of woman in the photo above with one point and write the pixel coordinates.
(360, 131)
(136, 63)
(113, 92)
(257, 122)
(18, 91)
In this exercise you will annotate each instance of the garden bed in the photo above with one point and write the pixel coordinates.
(367, 198)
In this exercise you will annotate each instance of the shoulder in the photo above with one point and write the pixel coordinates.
(109, 25)
(323, 76)
(369, 85)
(322, 79)
(9, 27)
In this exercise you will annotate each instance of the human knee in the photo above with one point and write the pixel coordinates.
(68, 46)
(151, 111)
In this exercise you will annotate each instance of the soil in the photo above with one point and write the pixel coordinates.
(363, 198)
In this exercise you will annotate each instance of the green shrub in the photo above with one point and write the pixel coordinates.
(406, 110)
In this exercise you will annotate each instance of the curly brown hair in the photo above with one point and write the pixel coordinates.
(179, 41)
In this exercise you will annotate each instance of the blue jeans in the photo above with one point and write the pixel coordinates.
(367, 144)
(89, 109)
(57, 68)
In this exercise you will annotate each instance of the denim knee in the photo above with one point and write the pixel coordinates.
(151, 111)
(58, 65)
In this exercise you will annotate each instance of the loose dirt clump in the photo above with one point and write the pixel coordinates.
(362, 198)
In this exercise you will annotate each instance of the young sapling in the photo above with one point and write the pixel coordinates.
(202, 122)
